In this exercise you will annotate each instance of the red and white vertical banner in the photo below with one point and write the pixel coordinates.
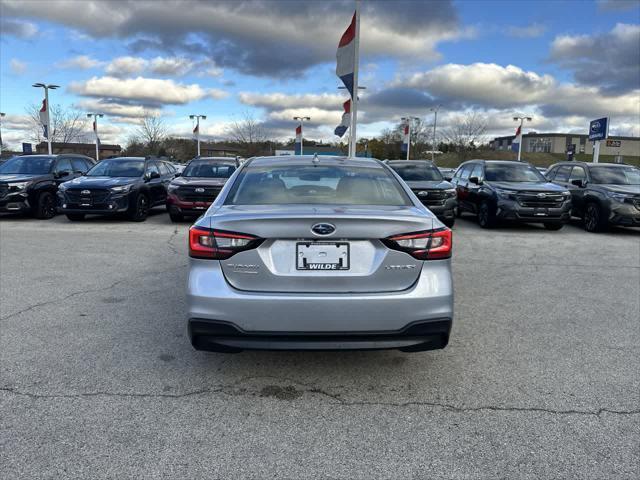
(346, 119)
(298, 144)
(44, 118)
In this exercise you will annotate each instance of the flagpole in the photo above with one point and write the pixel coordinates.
(46, 99)
(198, 133)
(354, 99)
(522, 119)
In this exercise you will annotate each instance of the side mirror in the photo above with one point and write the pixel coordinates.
(475, 180)
(64, 173)
(151, 175)
(178, 174)
(579, 183)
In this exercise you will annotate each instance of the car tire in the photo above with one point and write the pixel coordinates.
(594, 220)
(449, 222)
(553, 226)
(140, 209)
(75, 217)
(45, 206)
(486, 215)
(176, 217)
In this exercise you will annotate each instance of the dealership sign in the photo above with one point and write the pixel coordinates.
(599, 129)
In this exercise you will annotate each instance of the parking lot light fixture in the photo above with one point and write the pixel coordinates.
(435, 121)
(301, 120)
(46, 101)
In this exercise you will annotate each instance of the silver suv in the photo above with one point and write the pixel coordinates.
(318, 253)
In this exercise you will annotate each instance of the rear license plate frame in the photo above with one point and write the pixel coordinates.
(321, 266)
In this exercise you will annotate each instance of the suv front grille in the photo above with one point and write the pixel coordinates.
(189, 194)
(540, 199)
(95, 195)
(432, 198)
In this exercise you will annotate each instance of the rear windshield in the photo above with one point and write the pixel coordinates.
(208, 170)
(31, 165)
(417, 173)
(117, 168)
(306, 184)
(512, 172)
(616, 175)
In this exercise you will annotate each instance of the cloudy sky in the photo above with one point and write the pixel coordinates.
(563, 62)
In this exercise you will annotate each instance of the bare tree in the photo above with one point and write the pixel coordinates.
(466, 132)
(247, 132)
(66, 125)
(151, 133)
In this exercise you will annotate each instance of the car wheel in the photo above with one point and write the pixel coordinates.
(140, 209)
(176, 217)
(486, 216)
(553, 226)
(46, 206)
(75, 217)
(594, 220)
(449, 222)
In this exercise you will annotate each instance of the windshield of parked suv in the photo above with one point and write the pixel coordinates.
(31, 165)
(208, 170)
(615, 175)
(117, 168)
(417, 173)
(512, 172)
(307, 184)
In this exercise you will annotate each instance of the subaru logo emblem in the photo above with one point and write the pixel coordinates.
(323, 229)
(199, 190)
(542, 195)
(86, 192)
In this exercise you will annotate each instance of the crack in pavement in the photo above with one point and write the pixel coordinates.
(170, 244)
(337, 400)
(82, 292)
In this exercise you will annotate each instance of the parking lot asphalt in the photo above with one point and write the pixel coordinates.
(541, 378)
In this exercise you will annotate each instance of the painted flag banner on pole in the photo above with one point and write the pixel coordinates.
(405, 138)
(516, 141)
(44, 118)
(346, 56)
(196, 130)
(298, 145)
(95, 131)
(346, 119)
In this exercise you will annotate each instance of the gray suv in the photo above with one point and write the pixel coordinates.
(602, 194)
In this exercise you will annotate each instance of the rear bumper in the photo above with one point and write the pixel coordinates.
(216, 336)
(358, 316)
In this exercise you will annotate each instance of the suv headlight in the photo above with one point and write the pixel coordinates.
(172, 188)
(508, 194)
(618, 197)
(16, 187)
(121, 189)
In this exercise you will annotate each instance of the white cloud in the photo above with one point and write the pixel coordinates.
(80, 62)
(17, 66)
(123, 66)
(173, 66)
(217, 94)
(530, 31)
(143, 90)
(18, 28)
(118, 110)
(283, 100)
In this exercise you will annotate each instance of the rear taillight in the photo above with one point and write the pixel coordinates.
(428, 245)
(219, 244)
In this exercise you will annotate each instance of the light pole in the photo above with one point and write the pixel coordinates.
(46, 101)
(2, 114)
(519, 132)
(301, 120)
(435, 121)
(197, 129)
(95, 130)
(408, 120)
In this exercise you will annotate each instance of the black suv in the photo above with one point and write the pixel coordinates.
(28, 183)
(130, 185)
(602, 194)
(198, 185)
(430, 187)
(507, 190)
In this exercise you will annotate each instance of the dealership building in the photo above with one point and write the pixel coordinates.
(563, 142)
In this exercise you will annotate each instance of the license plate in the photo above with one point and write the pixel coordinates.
(322, 256)
(85, 202)
(541, 212)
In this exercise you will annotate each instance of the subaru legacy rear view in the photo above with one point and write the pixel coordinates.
(328, 253)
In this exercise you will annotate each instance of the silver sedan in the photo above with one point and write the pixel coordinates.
(318, 253)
